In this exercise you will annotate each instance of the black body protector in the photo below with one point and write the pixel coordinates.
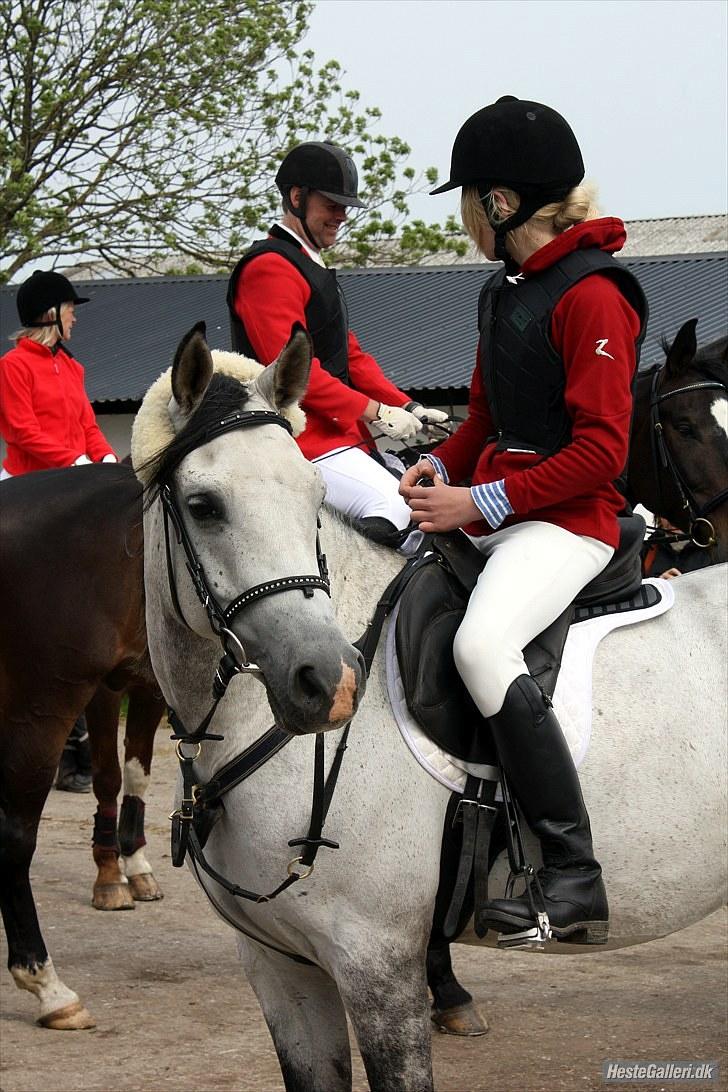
(523, 373)
(326, 312)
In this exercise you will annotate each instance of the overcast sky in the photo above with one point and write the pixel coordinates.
(642, 82)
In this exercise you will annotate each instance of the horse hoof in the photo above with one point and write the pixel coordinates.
(112, 896)
(73, 1017)
(144, 887)
(460, 1020)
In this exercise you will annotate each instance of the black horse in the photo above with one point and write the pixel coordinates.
(678, 468)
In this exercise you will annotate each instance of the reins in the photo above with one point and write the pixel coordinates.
(200, 802)
(662, 458)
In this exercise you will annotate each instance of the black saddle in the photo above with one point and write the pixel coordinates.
(431, 609)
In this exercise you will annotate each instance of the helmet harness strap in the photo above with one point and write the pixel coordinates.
(50, 322)
(300, 214)
(529, 204)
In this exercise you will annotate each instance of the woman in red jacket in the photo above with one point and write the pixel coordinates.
(46, 419)
(546, 435)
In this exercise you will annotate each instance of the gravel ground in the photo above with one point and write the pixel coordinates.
(175, 1012)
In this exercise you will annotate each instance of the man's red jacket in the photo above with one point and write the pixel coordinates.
(271, 295)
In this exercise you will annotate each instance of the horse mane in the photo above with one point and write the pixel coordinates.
(223, 396)
(712, 360)
(155, 447)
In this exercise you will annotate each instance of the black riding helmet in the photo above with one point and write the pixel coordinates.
(323, 166)
(523, 145)
(43, 290)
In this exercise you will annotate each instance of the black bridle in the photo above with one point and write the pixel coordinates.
(701, 531)
(200, 802)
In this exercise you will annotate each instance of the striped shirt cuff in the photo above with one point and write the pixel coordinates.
(439, 467)
(492, 502)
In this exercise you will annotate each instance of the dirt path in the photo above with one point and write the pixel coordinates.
(174, 1011)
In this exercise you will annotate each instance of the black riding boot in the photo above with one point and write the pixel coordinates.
(383, 531)
(74, 769)
(542, 775)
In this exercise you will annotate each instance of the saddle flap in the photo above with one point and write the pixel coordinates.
(431, 610)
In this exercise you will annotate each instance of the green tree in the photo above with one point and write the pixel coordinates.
(136, 132)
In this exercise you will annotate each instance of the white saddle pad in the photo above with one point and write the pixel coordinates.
(572, 698)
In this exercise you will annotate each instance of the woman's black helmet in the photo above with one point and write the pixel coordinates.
(523, 145)
(43, 290)
(323, 166)
(520, 144)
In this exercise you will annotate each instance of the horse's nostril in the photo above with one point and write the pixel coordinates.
(309, 682)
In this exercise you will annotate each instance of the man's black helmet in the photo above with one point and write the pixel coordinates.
(41, 291)
(523, 145)
(322, 166)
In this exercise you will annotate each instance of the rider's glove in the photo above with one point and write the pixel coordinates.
(81, 460)
(109, 459)
(427, 414)
(396, 423)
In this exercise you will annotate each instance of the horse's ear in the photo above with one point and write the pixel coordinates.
(192, 370)
(283, 383)
(682, 352)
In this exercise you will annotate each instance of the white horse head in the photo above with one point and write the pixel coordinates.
(249, 502)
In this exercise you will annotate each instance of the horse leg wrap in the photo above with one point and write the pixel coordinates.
(131, 825)
(105, 830)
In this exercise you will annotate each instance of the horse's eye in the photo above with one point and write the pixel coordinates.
(685, 428)
(203, 508)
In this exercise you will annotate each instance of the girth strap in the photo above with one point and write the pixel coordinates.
(478, 812)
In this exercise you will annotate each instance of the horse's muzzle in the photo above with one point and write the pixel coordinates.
(320, 695)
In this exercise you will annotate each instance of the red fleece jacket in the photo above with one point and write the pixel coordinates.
(593, 328)
(271, 295)
(46, 418)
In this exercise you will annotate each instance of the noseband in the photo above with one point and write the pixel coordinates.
(702, 531)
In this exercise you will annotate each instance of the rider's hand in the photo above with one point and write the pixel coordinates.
(396, 423)
(81, 460)
(422, 469)
(427, 414)
(670, 574)
(442, 508)
(109, 459)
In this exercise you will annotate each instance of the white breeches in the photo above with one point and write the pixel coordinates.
(534, 571)
(358, 486)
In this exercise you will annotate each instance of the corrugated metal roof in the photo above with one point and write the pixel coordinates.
(668, 235)
(420, 323)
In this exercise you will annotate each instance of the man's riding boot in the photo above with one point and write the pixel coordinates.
(542, 775)
(383, 531)
(74, 769)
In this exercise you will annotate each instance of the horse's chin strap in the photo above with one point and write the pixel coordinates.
(662, 457)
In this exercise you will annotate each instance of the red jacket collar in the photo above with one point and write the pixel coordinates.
(607, 233)
(31, 346)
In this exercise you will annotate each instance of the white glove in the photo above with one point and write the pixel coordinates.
(81, 461)
(109, 459)
(396, 423)
(427, 415)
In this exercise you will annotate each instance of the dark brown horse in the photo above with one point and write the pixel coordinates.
(678, 461)
(72, 636)
(678, 468)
